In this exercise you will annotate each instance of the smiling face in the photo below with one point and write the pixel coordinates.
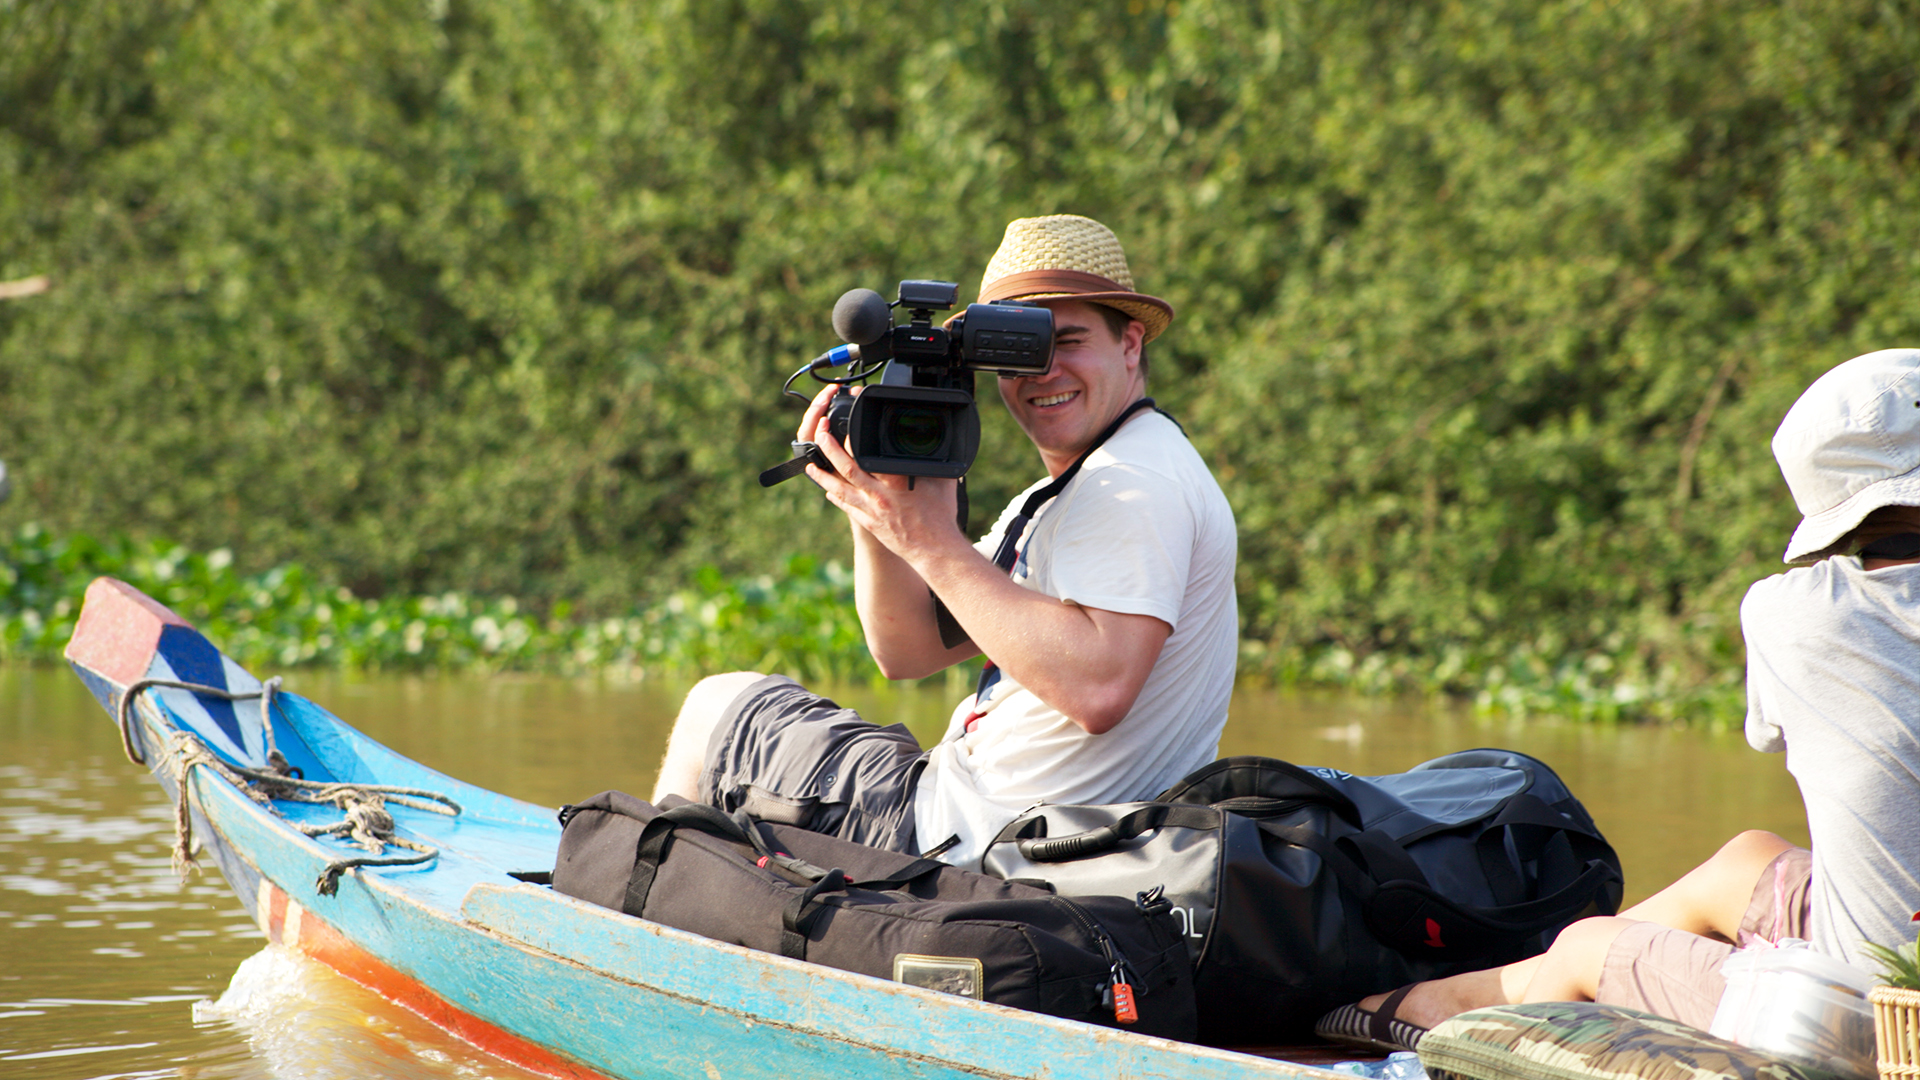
(1095, 375)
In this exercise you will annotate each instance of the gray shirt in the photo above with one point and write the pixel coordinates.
(1833, 679)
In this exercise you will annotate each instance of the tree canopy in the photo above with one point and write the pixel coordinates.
(1486, 311)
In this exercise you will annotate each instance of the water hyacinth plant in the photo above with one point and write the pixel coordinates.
(800, 621)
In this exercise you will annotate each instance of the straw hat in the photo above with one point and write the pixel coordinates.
(1066, 255)
(1850, 446)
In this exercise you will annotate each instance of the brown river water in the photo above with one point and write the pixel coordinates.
(111, 967)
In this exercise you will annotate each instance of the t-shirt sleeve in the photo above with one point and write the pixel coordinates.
(1763, 734)
(1124, 543)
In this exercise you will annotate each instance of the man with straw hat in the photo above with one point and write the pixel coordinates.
(1103, 599)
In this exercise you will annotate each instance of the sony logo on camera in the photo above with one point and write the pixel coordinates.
(920, 419)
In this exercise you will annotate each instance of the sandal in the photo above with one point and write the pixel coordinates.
(1379, 1030)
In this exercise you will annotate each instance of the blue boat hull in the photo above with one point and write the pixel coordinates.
(549, 983)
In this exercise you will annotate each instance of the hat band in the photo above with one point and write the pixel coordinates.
(1030, 282)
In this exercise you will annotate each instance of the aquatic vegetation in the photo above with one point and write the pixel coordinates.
(800, 620)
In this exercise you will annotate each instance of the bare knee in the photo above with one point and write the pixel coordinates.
(711, 696)
(1711, 899)
(1570, 968)
(1727, 879)
(1752, 850)
(686, 753)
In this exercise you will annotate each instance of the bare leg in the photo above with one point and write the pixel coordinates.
(1562, 970)
(686, 752)
(1570, 970)
(1431, 1002)
(1709, 900)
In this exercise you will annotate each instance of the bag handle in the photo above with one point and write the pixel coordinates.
(1107, 837)
(656, 839)
(1261, 786)
(796, 922)
(1519, 919)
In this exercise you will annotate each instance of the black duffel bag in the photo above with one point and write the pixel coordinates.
(763, 886)
(1301, 889)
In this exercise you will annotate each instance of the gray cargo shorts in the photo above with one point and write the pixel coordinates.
(787, 755)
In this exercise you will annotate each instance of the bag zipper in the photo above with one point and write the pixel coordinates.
(1118, 991)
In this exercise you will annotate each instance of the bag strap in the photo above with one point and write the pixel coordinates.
(1530, 824)
(1366, 883)
(755, 834)
(1381, 857)
(656, 838)
(1258, 787)
(951, 633)
(907, 875)
(796, 922)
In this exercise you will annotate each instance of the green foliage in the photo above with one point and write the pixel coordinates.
(1486, 310)
(803, 623)
(1900, 967)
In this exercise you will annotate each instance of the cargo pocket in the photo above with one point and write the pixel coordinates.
(866, 808)
(771, 806)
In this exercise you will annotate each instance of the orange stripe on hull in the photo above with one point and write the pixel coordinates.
(290, 924)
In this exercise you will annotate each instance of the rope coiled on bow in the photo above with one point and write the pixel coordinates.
(366, 820)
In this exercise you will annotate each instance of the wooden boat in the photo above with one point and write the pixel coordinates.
(546, 982)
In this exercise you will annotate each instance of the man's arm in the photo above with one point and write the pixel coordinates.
(897, 613)
(1086, 662)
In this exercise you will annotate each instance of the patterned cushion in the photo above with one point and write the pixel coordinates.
(1584, 1041)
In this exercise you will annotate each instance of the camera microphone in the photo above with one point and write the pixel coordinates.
(864, 321)
(861, 317)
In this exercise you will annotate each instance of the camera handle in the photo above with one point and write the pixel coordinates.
(804, 454)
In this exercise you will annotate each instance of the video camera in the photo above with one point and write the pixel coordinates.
(920, 419)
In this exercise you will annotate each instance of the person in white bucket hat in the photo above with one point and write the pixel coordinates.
(1833, 681)
(1851, 446)
(1103, 599)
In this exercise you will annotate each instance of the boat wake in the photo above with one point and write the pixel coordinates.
(305, 1021)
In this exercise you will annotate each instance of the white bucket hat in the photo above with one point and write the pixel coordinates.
(1851, 445)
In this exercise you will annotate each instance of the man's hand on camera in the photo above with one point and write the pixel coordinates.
(909, 516)
(816, 410)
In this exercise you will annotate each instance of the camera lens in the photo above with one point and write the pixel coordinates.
(915, 430)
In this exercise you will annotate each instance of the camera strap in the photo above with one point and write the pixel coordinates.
(1009, 551)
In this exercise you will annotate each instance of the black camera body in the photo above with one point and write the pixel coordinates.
(920, 419)
(909, 430)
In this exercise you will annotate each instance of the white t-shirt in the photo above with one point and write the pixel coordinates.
(1142, 530)
(1833, 679)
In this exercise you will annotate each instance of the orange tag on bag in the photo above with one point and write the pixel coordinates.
(1123, 1008)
